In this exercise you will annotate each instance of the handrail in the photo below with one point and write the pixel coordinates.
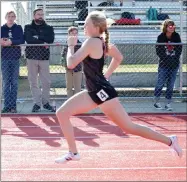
(120, 43)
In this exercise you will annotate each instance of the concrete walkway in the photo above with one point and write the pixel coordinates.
(131, 106)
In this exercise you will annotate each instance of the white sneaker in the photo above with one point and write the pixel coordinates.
(168, 107)
(68, 157)
(158, 105)
(175, 145)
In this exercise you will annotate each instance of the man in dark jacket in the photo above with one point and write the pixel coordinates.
(11, 36)
(73, 77)
(38, 32)
(169, 60)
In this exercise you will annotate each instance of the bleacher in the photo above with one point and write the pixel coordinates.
(62, 14)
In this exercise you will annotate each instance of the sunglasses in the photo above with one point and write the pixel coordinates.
(171, 26)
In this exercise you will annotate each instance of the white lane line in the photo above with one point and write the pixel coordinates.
(102, 135)
(86, 169)
(87, 126)
(98, 116)
(84, 151)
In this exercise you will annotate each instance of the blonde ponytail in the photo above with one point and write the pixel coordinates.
(106, 39)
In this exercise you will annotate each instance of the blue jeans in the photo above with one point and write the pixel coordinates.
(10, 75)
(165, 76)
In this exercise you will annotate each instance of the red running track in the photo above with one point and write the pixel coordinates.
(30, 145)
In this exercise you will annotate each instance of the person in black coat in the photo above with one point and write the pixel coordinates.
(169, 61)
(39, 32)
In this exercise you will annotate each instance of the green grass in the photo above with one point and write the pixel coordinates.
(122, 68)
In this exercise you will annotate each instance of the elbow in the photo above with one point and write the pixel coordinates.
(52, 41)
(120, 59)
(28, 41)
(70, 64)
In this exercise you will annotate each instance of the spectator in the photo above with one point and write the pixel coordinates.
(74, 76)
(38, 32)
(169, 56)
(121, 2)
(11, 34)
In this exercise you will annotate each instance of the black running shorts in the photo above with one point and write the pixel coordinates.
(103, 94)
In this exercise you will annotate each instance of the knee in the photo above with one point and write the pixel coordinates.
(69, 88)
(6, 83)
(33, 83)
(46, 84)
(159, 85)
(14, 82)
(59, 113)
(62, 113)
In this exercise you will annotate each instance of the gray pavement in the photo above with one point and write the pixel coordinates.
(142, 105)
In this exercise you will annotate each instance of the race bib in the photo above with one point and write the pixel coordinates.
(102, 95)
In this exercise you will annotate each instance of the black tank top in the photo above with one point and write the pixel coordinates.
(93, 71)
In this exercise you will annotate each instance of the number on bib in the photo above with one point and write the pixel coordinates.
(102, 95)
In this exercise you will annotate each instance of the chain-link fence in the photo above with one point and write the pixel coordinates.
(135, 28)
(41, 74)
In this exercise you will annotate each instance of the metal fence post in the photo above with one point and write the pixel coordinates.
(44, 9)
(181, 58)
(0, 82)
(88, 7)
